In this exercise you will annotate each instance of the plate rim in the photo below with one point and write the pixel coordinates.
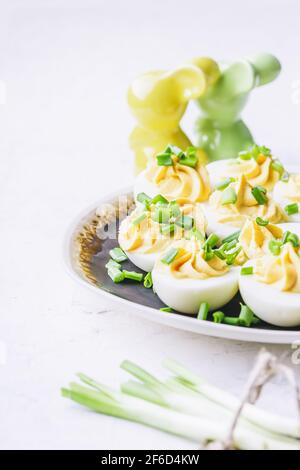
(181, 322)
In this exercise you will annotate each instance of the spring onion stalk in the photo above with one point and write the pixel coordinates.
(246, 316)
(292, 209)
(261, 222)
(113, 264)
(190, 402)
(134, 276)
(218, 317)
(203, 311)
(159, 199)
(247, 270)
(233, 236)
(170, 256)
(139, 219)
(275, 247)
(167, 229)
(148, 283)
(212, 240)
(161, 214)
(259, 195)
(224, 183)
(185, 221)
(166, 309)
(277, 166)
(118, 255)
(263, 419)
(292, 238)
(229, 196)
(164, 159)
(116, 275)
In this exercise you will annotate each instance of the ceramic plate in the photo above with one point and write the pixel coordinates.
(86, 252)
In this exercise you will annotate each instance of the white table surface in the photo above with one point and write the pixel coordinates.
(63, 144)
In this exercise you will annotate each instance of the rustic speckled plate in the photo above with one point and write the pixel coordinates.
(86, 255)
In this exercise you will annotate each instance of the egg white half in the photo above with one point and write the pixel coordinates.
(213, 226)
(186, 295)
(144, 261)
(271, 305)
(283, 202)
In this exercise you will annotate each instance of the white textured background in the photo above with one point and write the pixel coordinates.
(66, 66)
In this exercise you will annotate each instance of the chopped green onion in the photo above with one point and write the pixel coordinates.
(161, 214)
(118, 255)
(133, 275)
(232, 321)
(164, 159)
(229, 196)
(285, 177)
(292, 238)
(208, 253)
(166, 309)
(113, 264)
(143, 198)
(170, 256)
(203, 311)
(167, 229)
(231, 257)
(277, 166)
(218, 317)
(220, 253)
(275, 247)
(229, 245)
(189, 158)
(233, 236)
(246, 316)
(247, 270)
(245, 155)
(185, 221)
(148, 283)
(212, 240)
(173, 150)
(159, 199)
(259, 194)
(139, 219)
(174, 209)
(224, 184)
(292, 209)
(116, 275)
(195, 233)
(261, 221)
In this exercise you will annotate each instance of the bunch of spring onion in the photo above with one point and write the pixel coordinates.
(187, 406)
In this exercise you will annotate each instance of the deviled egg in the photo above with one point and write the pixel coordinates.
(230, 206)
(256, 235)
(256, 164)
(154, 225)
(184, 277)
(271, 287)
(287, 195)
(175, 175)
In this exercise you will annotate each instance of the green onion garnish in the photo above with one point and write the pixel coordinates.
(277, 166)
(224, 184)
(247, 270)
(203, 311)
(229, 196)
(139, 219)
(275, 247)
(159, 199)
(246, 316)
(231, 257)
(245, 155)
(218, 317)
(195, 233)
(118, 255)
(166, 309)
(116, 275)
(261, 221)
(233, 236)
(167, 229)
(143, 198)
(185, 221)
(113, 264)
(292, 238)
(148, 283)
(212, 240)
(133, 275)
(259, 194)
(170, 256)
(292, 209)
(164, 159)
(208, 253)
(232, 321)
(173, 150)
(161, 214)
(189, 158)
(174, 209)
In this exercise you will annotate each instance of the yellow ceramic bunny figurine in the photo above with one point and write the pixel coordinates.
(158, 101)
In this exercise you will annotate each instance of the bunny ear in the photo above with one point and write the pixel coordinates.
(191, 82)
(237, 79)
(209, 67)
(267, 68)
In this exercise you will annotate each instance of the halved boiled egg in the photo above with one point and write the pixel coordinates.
(256, 164)
(272, 291)
(151, 228)
(183, 278)
(230, 206)
(287, 195)
(178, 178)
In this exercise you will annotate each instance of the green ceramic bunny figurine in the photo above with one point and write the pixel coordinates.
(221, 133)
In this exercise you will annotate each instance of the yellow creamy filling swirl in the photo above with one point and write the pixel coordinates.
(180, 182)
(146, 237)
(281, 271)
(245, 207)
(190, 263)
(255, 238)
(258, 172)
